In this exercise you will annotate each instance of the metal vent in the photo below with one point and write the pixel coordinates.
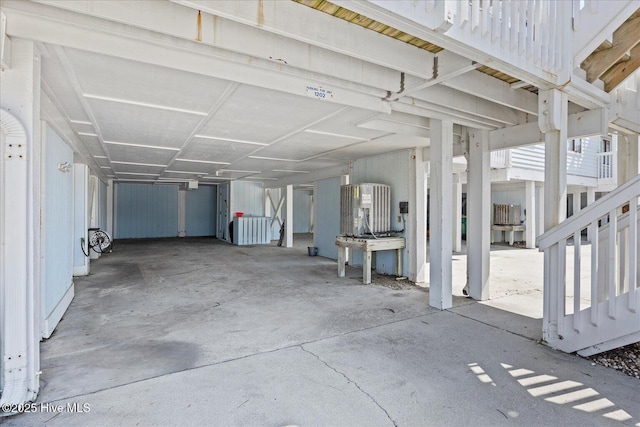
(506, 214)
(365, 209)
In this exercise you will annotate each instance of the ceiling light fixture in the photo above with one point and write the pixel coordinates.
(81, 122)
(240, 141)
(99, 157)
(143, 104)
(87, 134)
(238, 171)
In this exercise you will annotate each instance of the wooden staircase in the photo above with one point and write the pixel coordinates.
(591, 295)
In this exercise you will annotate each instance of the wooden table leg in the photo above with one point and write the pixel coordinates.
(366, 268)
(342, 256)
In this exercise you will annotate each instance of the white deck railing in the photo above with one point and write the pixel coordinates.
(603, 310)
(500, 159)
(606, 166)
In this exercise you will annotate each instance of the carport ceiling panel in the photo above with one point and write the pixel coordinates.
(54, 76)
(382, 145)
(216, 150)
(347, 124)
(93, 145)
(181, 176)
(194, 167)
(262, 115)
(119, 167)
(142, 125)
(125, 153)
(306, 144)
(139, 82)
(258, 164)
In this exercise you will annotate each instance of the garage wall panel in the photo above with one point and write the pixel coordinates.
(146, 210)
(201, 207)
(327, 209)
(301, 211)
(247, 197)
(391, 169)
(58, 222)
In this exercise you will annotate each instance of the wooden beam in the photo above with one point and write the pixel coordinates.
(624, 38)
(619, 72)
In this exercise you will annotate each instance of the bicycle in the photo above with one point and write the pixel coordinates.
(99, 241)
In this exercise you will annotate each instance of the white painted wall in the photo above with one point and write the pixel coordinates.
(579, 164)
(327, 213)
(247, 197)
(391, 169)
(57, 215)
(301, 211)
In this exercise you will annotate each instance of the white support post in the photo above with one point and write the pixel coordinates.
(457, 213)
(289, 218)
(182, 213)
(553, 106)
(20, 225)
(576, 202)
(541, 210)
(441, 158)
(530, 217)
(417, 227)
(479, 217)
(94, 221)
(80, 219)
(591, 197)
(344, 180)
(110, 206)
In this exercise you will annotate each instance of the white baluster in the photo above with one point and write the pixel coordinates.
(539, 34)
(475, 15)
(611, 277)
(577, 242)
(513, 25)
(504, 23)
(594, 272)
(633, 254)
(561, 284)
(496, 10)
(522, 27)
(486, 8)
(531, 23)
(463, 13)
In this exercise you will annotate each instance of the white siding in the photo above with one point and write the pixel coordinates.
(57, 233)
(391, 169)
(247, 197)
(579, 164)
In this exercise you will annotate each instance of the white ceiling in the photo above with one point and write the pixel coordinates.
(144, 122)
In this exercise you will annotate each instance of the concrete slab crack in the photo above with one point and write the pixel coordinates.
(352, 382)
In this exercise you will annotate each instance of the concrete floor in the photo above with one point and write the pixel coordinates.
(199, 332)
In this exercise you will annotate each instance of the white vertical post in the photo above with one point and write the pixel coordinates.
(479, 214)
(541, 210)
(417, 227)
(110, 205)
(552, 106)
(440, 213)
(577, 202)
(80, 219)
(20, 196)
(344, 180)
(530, 218)
(289, 224)
(94, 211)
(182, 213)
(457, 213)
(267, 203)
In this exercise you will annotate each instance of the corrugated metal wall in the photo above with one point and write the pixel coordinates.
(58, 221)
(201, 211)
(327, 213)
(145, 210)
(301, 211)
(247, 197)
(391, 169)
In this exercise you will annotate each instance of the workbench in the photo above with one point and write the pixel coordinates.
(507, 229)
(367, 246)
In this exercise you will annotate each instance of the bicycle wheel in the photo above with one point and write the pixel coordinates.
(100, 241)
